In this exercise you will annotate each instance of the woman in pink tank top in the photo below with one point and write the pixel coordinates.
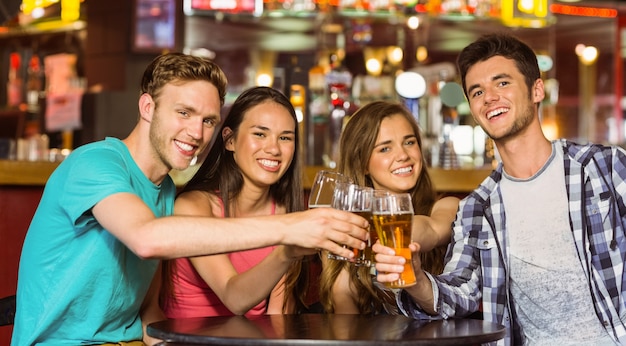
(252, 169)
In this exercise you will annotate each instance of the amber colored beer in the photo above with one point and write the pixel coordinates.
(394, 231)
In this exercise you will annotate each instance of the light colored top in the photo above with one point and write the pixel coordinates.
(194, 298)
(77, 283)
(548, 283)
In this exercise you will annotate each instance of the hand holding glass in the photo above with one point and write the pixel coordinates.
(358, 200)
(393, 218)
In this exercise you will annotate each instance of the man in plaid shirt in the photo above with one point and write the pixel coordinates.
(539, 246)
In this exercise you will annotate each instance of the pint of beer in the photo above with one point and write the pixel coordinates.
(358, 200)
(393, 216)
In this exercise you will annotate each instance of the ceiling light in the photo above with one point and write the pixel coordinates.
(413, 22)
(410, 85)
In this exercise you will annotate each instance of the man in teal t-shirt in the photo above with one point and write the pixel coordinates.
(91, 249)
(94, 282)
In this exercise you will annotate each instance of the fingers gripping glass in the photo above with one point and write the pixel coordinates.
(358, 200)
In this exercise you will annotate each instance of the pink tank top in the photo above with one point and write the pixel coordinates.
(194, 298)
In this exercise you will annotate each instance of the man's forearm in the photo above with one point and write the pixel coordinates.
(422, 293)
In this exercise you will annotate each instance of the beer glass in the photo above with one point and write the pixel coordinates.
(323, 188)
(393, 218)
(369, 254)
(358, 200)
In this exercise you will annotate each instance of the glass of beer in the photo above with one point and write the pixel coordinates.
(323, 188)
(393, 218)
(358, 200)
(369, 254)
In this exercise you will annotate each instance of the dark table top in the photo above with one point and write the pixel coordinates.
(324, 329)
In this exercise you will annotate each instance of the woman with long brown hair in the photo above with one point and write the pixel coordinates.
(381, 148)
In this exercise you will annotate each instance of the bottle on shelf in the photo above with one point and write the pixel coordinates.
(34, 84)
(14, 83)
(339, 82)
(317, 115)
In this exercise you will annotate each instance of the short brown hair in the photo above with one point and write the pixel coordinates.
(500, 44)
(179, 67)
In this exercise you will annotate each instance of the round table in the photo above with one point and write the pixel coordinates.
(324, 329)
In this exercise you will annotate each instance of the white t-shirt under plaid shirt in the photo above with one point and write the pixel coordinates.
(548, 283)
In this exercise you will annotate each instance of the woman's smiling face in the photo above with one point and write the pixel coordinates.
(264, 145)
(395, 163)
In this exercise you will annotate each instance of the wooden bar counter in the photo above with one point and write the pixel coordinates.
(25, 172)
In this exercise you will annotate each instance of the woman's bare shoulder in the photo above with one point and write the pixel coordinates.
(447, 202)
(201, 203)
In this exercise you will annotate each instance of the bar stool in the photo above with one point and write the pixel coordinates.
(7, 310)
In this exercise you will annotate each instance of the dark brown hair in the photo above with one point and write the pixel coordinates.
(499, 44)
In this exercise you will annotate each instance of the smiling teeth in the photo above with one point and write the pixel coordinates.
(269, 163)
(403, 170)
(495, 112)
(184, 146)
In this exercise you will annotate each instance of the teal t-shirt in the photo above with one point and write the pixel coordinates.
(77, 284)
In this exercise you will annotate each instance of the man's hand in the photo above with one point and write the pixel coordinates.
(327, 229)
(389, 265)
(294, 252)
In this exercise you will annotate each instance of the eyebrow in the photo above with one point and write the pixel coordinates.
(389, 141)
(186, 107)
(265, 128)
(494, 78)
(194, 110)
(381, 143)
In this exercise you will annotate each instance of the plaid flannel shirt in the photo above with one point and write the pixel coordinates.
(477, 262)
